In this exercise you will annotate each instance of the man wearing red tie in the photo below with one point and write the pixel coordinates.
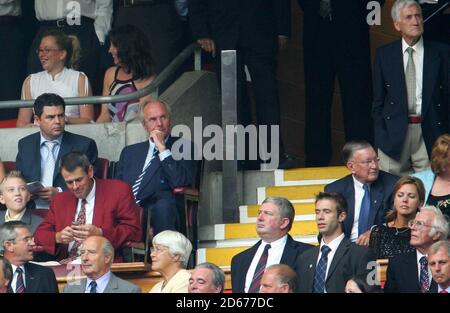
(439, 262)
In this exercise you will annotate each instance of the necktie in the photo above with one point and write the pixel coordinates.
(410, 76)
(93, 286)
(424, 279)
(259, 271)
(321, 270)
(325, 8)
(363, 220)
(20, 287)
(443, 291)
(137, 183)
(49, 166)
(81, 220)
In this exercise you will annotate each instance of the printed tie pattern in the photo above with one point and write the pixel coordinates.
(410, 76)
(259, 271)
(81, 220)
(20, 286)
(363, 220)
(49, 166)
(321, 270)
(325, 8)
(137, 183)
(93, 286)
(424, 278)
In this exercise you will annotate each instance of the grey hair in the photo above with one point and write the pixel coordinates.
(285, 275)
(8, 232)
(218, 279)
(399, 5)
(439, 224)
(108, 248)
(177, 244)
(438, 245)
(7, 269)
(148, 102)
(285, 208)
(349, 149)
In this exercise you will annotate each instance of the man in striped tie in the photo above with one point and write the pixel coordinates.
(153, 170)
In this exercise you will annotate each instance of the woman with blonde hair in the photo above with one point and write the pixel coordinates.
(170, 255)
(392, 238)
(59, 55)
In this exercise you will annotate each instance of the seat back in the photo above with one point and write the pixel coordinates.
(103, 167)
(9, 166)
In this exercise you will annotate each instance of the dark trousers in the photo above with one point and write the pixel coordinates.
(326, 56)
(163, 215)
(90, 51)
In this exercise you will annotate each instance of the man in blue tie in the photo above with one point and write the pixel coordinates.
(153, 170)
(367, 190)
(327, 268)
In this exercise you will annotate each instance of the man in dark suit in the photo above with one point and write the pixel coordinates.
(362, 161)
(154, 169)
(335, 44)
(411, 94)
(410, 273)
(439, 262)
(276, 246)
(257, 30)
(327, 268)
(39, 153)
(91, 207)
(17, 244)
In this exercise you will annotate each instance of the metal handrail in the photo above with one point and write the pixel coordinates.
(168, 71)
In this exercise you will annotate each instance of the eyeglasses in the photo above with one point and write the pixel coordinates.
(46, 50)
(26, 239)
(419, 224)
(368, 162)
(158, 249)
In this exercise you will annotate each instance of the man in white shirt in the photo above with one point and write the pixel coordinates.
(326, 268)
(89, 20)
(410, 107)
(97, 255)
(274, 221)
(439, 262)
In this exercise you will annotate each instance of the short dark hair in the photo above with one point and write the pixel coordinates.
(47, 100)
(7, 268)
(72, 160)
(341, 203)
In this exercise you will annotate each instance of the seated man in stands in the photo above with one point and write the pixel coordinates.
(39, 153)
(15, 196)
(154, 170)
(101, 207)
(279, 278)
(207, 278)
(97, 255)
(367, 190)
(275, 219)
(439, 262)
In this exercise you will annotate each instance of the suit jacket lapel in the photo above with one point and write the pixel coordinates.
(289, 254)
(100, 198)
(398, 68)
(350, 196)
(30, 280)
(112, 285)
(340, 252)
(430, 69)
(35, 156)
(65, 148)
(311, 268)
(246, 264)
(376, 194)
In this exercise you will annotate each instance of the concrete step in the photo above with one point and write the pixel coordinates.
(296, 194)
(248, 230)
(309, 175)
(303, 212)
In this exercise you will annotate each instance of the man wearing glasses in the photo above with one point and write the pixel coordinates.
(367, 190)
(409, 272)
(17, 243)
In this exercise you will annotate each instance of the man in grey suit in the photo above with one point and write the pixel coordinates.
(97, 255)
(327, 268)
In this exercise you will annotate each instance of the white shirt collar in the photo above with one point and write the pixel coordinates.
(333, 244)
(418, 47)
(102, 282)
(275, 244)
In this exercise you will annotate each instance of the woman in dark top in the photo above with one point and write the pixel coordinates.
(392, 238)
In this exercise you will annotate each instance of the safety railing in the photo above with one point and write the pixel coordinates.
(153, 87)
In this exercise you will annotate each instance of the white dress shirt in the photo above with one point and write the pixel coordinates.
(359, 194)
(162, 155)
(102, 282)
(98, 10)
(14, 279)
(10, 8)
(333, 245)
(275, 253)
(418, 65)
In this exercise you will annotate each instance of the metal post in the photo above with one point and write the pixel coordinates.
(198, 59)
(229, 117)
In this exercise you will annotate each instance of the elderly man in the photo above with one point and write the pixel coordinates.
(410, 105)
(154, 170)
(439, 263)
(40, 153)
(5, 274)
(367, 190)
(410, 272)
(274, 221)
(279, 278)
(17, 244)
(97, 255)
(207, 278)
(102, 207)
